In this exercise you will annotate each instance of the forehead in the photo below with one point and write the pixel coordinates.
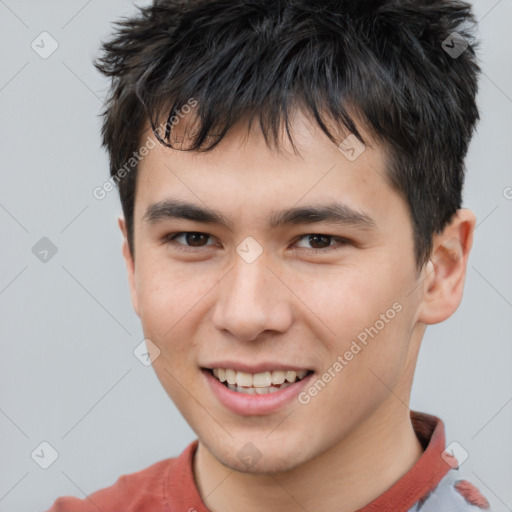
(242, 177)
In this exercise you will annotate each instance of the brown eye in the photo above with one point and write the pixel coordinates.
(322, 243)
(319, 241)
(195, 239)
(189, 239)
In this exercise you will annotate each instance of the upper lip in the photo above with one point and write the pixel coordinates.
(254, 368)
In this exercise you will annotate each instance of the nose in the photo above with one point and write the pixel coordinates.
(252, 300)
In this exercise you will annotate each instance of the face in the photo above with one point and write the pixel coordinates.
(243, 277)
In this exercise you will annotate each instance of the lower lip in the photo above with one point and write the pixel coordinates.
(247, 405)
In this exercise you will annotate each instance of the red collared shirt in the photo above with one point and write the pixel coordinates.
(433, 484)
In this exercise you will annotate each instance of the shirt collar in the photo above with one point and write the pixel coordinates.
(182, 493)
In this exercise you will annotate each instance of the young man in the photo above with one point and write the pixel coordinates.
(290, 174)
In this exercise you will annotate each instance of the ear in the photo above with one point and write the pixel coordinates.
(445, 273)
(130, 265)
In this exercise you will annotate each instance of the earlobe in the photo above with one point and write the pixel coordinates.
(444, 275)
(130, 265)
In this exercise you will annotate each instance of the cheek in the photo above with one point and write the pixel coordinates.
(364, 320)
(344, 301)
(165, 287)
(161, 293)
(171, 302)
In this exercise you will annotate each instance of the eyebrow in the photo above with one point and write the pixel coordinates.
(337, 213)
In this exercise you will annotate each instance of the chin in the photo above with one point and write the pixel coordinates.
(260, 455)
(268, 464)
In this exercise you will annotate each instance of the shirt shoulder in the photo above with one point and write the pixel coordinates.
(143, 490)
(454, 493)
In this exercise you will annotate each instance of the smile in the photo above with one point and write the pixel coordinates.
(257, 383)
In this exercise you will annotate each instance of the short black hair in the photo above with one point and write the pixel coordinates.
(387, 61)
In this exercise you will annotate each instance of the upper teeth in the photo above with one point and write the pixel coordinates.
(257, 380)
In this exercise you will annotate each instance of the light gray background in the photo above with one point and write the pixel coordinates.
(68, 374)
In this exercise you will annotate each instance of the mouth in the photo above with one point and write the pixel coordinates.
(257, 383)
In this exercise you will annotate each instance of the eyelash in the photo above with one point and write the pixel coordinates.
(182, 247)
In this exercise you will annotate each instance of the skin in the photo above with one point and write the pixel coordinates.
(353, 440)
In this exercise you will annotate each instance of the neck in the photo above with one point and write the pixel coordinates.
(345, 478)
